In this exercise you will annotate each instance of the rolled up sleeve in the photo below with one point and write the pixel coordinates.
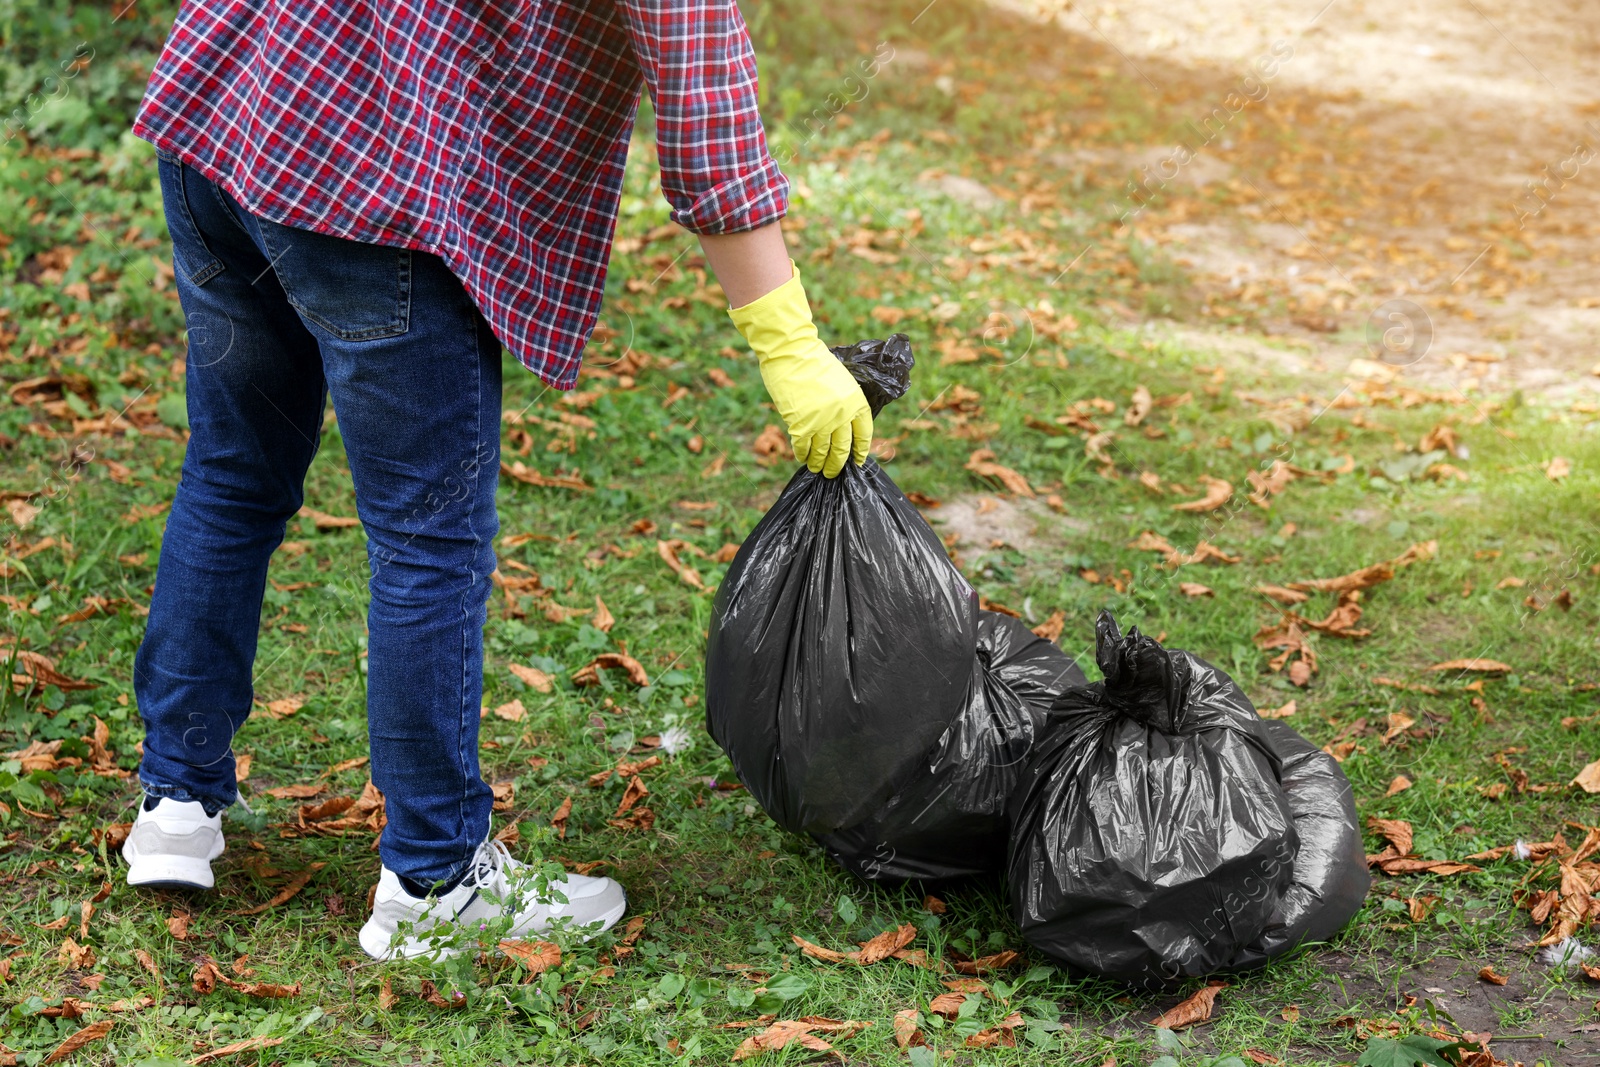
(700, 69)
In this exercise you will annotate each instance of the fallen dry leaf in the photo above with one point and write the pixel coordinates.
(906, 1028)
(527, 476)
(603, 619)
(1194, 589)
(947, 1004)
(798, 1031)
(1557, 469)
(249, 1044)
(1399, 784)
(1482, 666)
(558, 821)
(590, 674)
(75, 955)
(1488, 974)
(324, 522)
(1283, 595)
(1002, 1033)
(1196, 1009)
(1396, 831)
(386, 995)
(1051, 628)
(982, 463)
(881, 947)
(536, 956)
(294, 885)
(1588, 779)
(987, 964)
(1218, 493)
(1279, 713)
(74, 1042)
(532, 677)
(1138, 407)
(668, 551)
(208, 976)
(511, 711)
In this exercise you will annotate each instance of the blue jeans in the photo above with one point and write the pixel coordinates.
(279, 320)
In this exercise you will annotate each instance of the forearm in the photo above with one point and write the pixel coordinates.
(748, 265)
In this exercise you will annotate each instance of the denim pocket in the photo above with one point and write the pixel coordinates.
(189, 252)
(353, 290)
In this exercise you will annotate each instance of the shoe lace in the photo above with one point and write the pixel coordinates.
(489, 866)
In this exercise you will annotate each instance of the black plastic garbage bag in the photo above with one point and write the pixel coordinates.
(1330, 879)
(841, 639)
(1151, 840)
(947, 819)
(881, 368)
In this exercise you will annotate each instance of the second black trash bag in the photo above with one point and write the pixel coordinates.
(840, 645)
(947, 819)
(1150, 838)
(1330, 878)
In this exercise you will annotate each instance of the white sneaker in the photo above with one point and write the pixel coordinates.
(494, 887)
(173, 844)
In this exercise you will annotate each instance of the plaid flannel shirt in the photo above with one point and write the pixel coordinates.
(492, 134)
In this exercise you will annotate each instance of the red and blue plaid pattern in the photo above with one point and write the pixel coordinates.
(491, 133)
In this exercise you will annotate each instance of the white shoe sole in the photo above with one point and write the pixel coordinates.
(173, 872)
(377, 944)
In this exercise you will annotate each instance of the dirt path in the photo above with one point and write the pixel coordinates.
(1456, 106)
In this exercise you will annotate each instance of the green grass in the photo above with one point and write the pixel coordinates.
(721, 889)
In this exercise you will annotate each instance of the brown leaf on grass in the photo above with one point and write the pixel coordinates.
(1196, 1009)
(536, 956)
(907, 1032)
(630, 935)
(1195, 589)
(298, 791)
(881, 947)
(1255, 1055)
(148, 963)
(803, 1031)
(178, 925)
(1399, 723)
(86, 911)
(1490, 975)
(35, 671)
(386, 995)
(1367, 577)
(1419, 908)
(249, 1044)
(590, 674)
(326, 810)
(1588, 779)
(1396, 831)
(1002, 1033)
(60, 922)
(635, 792)
(1051, 628)
(965, 985)
(290, 889)
(1300, 673)
(1558, 468)
(1138, 407)
(1341, 621)
(1279, 713)
(558, 821)
(527, 476)
(345, 765)
(886, 944)
(1408, 865)
(1150, 541)
(532, 677)
(933, 904)
(771, 445)
(1399, 784)
(668, 551)
(325, 522)
(603, 619)
(987, 964)
(1218, 493)
(981, 462)
(430, 993)
(1481, 666)
(89, 1034)
(75, 955)
(948, 1004)
(283, 707)
(511, 711)
(208, 976)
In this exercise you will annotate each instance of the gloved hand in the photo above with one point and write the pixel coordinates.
(825, 410)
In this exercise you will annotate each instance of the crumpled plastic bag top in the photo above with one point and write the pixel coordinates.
(1151, 840)
(881, 368)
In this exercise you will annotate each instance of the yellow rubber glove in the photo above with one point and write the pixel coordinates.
(827, 414)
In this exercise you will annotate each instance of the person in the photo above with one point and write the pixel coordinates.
(366, 201)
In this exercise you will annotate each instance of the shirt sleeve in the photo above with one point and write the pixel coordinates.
(700, 69)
